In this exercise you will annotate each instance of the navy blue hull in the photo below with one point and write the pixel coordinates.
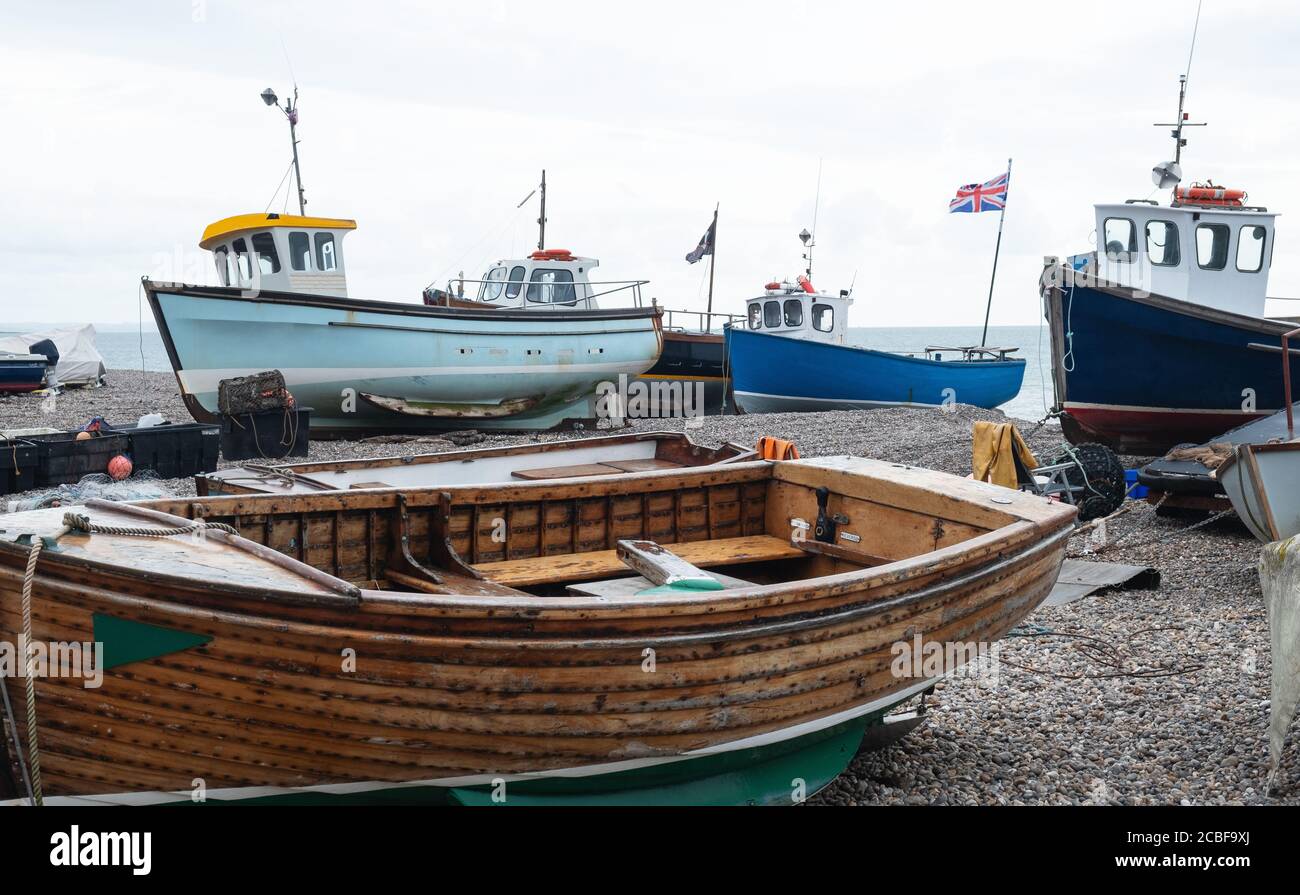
(1144, 373)
(773, 374)
(21, 376)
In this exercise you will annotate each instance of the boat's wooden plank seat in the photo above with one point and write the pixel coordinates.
(648, 465)
(604, 467)
(605, 563)
(566, 472)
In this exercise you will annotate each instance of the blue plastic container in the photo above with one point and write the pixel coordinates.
(1130, 479)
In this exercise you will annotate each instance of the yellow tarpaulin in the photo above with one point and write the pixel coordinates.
(997, 448)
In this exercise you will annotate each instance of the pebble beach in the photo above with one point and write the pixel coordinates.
(1144, 697)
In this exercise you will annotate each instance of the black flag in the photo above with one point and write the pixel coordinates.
(706, 244)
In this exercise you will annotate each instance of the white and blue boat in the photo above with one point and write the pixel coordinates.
(384, 366)
(792, 354)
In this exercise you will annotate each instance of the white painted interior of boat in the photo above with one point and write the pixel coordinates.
(434, 470)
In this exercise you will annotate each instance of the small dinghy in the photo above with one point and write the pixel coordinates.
(573, 458)
(718, 635)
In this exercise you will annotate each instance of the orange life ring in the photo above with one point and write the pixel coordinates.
(806, 284)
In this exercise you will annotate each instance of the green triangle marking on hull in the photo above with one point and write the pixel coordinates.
(126, 642)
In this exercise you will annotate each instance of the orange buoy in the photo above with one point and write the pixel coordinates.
(119, 468)
(806, 284)
(83, 436)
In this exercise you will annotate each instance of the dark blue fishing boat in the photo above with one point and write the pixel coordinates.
(1159, 337)
(791, 354)
(22, 372)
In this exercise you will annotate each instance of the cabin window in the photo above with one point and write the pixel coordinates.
(552, 287)
(493, 283)
(242, 261)
(268, 260)
(1162, 244)
(793, 312)
(756, 315)
(1121, 239)
(516, 281)
(823, 317)
(772, 314)
(1250, 248)
(1212, 246)
(299, 250)
(222, 256)
(326, 255)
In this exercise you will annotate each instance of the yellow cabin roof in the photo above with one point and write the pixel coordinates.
(243, 223)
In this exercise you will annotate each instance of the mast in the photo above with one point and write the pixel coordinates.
(988, 309)
(291, 112)
(713, 260)
(541, 221)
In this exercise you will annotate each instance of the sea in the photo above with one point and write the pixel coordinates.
(134, 351)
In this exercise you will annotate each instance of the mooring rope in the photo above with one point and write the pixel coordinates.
(82, 523)
(29, 668)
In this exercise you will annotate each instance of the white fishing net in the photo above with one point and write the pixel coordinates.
(143, 485)
(1279, 574)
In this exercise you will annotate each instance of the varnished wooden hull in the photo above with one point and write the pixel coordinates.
(454, 692)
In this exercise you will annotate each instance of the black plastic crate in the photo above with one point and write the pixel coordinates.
(175, 451)
(19, 461)
(268, 435)
(64, 460)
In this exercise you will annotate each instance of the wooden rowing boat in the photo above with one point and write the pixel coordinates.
(489, 643)
(573, 458)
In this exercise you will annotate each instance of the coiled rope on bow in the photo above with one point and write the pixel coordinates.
(82, 523)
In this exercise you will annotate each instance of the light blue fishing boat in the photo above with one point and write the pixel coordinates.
(384, 366)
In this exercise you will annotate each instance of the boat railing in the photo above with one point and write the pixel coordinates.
(970, 352)
(703, 320)
(456, 289)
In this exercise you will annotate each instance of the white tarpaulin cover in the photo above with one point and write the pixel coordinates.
(80, 362)
(1279, 574)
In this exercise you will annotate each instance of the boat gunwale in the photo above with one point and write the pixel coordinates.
(306, 299)
(1012, 535)
(433, 458)
(762, 628)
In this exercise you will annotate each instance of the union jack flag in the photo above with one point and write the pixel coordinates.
(977, 197)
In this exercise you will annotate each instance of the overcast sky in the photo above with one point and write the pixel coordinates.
(128, 127)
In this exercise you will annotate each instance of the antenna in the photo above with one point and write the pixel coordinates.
(809, 239)
(541, 221)
(1168, 174)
